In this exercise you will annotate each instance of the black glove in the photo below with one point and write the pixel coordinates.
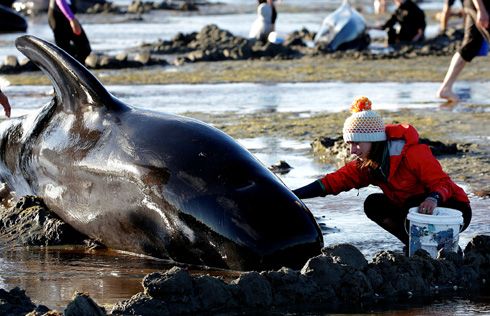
(311, 190)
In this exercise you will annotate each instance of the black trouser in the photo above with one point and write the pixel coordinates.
(380, 209)
(405, 34)
(77, 46)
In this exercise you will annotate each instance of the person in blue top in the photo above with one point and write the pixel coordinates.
(68, 33)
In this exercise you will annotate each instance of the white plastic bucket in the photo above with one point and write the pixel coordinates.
(436, 231)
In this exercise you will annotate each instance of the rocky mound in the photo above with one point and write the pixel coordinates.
(337, 279)
(215, 44)
(30, 223)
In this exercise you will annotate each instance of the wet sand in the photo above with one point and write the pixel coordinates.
(307, 69)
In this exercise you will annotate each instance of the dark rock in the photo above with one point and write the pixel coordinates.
(83, 305)
(31, 223)
(254, 290)
(92, 61)
(11, 61)
(214, 294)
(439, 148)
(107, 62)
(104, 8)
(281, 167)
(346, 254)
(355, 286)
(477, 256)
(324, 272)
(332, 147)
(175, 288)
(292, 287)
(123, 57)
(143, 57)
(140, 304)
(450, 256)
(175, 281)
(214, 44)
(322, 283)
(15, 302)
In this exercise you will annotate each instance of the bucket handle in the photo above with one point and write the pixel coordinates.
(405, 227)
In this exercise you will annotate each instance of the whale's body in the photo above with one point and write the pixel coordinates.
(147, 182)
(345, 28)
(11, 21)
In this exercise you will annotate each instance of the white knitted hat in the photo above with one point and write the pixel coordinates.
(363, 125)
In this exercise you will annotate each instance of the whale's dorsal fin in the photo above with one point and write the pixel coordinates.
(75, 86)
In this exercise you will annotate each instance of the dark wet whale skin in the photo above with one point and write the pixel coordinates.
(147, 182)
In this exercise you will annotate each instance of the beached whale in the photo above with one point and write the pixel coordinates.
(345, 28)
(148, 182)
(11, 21)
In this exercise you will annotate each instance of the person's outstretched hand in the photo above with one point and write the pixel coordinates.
(4, 101)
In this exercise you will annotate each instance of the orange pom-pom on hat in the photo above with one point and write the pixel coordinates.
(363, 125)
(360, 104)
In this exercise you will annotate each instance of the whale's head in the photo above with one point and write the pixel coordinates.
(154, 183)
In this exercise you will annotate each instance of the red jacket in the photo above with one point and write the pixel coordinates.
(413, 170)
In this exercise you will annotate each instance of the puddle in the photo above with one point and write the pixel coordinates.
(313, 97)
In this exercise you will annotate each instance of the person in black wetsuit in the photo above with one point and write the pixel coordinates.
(411, 20)
(68, 33)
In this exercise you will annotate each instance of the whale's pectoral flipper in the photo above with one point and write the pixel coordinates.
(76, 87)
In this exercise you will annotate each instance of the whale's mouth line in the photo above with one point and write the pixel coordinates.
(245, 185)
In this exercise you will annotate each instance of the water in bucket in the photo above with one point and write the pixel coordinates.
(434, 232)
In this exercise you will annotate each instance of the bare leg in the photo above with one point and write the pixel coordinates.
(455, 68)
(446, 13)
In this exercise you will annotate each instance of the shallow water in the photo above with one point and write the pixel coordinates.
(279, 97)
(52, 276)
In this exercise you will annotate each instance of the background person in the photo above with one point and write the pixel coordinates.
(274, 12)
(68, 33)
(261, 28)
(447, 12)
(476, 28)
(411, 20)
(391, 158)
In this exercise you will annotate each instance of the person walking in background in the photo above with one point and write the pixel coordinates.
(4, 101)
(411, 20)
(447, 12)
(68, 33)
(274, 12)
(476, 30)
(379, 6)
(391, 158)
